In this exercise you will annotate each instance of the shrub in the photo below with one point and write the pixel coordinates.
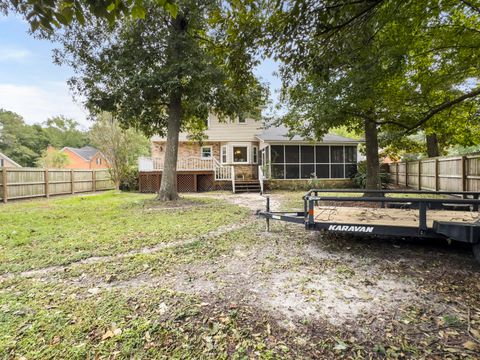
(360, 177)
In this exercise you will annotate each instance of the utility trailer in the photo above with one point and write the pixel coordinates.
(442, 215)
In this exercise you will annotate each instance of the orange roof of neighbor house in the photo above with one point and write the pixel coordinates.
(86, 152)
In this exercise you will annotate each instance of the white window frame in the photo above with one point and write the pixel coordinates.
(98, 161)
(224, 151)
(206, 157)
(233, 154)
(254, 154)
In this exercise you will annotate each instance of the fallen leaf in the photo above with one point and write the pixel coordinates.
(470, 345)
(108, 335)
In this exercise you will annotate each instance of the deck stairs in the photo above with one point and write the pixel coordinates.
(242, 186)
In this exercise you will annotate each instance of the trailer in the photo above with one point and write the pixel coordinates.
(441, 215)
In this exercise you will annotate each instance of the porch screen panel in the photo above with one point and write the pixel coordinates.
(278, 154)
(308, 161)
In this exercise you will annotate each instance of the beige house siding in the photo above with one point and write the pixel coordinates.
(229, 130)
(5, 161)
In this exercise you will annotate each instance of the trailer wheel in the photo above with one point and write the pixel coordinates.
(476, 251)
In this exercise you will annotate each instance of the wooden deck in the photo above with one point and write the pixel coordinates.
(378, 216)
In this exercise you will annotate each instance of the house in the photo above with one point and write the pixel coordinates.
(5, 161)
(86, 157)
(240, 155)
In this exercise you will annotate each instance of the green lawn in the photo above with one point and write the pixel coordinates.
(62, 230)
(200, 279)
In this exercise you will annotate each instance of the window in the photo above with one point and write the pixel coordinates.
(307, 154)
(240, 154)
(242, 119)
(323, 154)
(336, 153)
(206, 152)
(292, 154)
(350, 154)
(223, 157)
(278, 154)
(308, 161)
(255, 155)
(1, 162)
(98, 161)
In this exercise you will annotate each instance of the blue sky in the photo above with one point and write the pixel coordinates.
(32, 86)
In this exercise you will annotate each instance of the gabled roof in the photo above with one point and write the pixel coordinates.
(280, 133)
(5, 157)
(86, 152)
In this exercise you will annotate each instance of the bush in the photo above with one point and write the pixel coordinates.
(360, 177)
(130, 182)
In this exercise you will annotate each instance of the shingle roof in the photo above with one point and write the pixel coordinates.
(86, 152)
(280, 133)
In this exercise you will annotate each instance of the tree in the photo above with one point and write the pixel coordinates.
(53, 159)
(120, 147)
(47, 15)
(374, 65)
(19, 141)
(161, 74)
(61, 131)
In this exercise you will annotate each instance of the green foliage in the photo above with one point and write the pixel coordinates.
(360, 177)
(53, 159)
(25, 143)
(121, 148)
(136, 68)
(47, 15)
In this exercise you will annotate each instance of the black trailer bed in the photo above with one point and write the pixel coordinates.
(456, 217)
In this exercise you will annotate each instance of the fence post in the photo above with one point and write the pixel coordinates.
(72, 181)
(406, 174)
(4, 185)
(419, 174)
(94, 180)
(47, 190)
(463, 172)
(396, 173)
(437, 183)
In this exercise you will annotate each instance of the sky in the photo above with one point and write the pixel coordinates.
(34, 87)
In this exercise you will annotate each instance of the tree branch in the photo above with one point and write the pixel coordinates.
(443, 106)
(471, 6)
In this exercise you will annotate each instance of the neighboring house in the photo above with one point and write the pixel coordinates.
(5, 161)
(86, 157)
(243, 152)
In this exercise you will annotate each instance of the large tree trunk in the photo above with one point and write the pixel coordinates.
(168, 186)
(373, 165)
(433, 149)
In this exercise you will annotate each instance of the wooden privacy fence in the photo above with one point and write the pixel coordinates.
(459, 173)
(22, 183)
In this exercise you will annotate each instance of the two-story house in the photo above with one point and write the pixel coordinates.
(241, 155)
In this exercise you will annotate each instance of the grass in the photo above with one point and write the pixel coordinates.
(78, 227)
(152, 304)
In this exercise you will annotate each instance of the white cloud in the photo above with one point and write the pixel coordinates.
(36, 104)
(10, 54)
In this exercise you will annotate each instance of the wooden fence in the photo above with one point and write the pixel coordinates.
(459, 173)
(23, 183)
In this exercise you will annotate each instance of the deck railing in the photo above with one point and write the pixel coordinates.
(221, 172)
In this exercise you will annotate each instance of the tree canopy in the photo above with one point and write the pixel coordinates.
(162, 74)
(48, 15)
(26, 143)
(378, 65)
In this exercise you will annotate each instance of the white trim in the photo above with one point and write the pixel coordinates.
(254, 154)
(226, 154)
(206, 157)
(5, 157)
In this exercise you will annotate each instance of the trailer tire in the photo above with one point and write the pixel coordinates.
(476, 251)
